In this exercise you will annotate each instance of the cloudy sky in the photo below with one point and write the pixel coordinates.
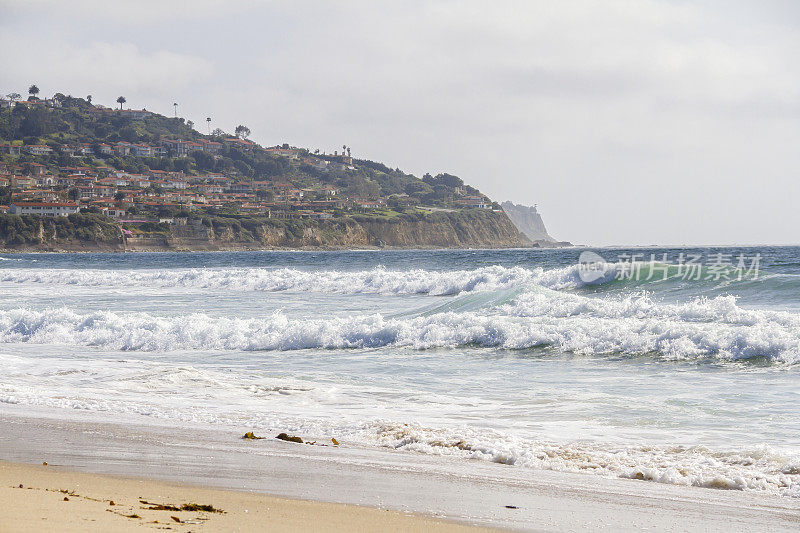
(626, 121)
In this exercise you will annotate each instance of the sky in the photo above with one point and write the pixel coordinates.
(635, 122)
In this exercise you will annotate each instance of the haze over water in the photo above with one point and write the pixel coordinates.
(505, 356)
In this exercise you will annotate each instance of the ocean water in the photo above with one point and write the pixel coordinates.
(508, 356)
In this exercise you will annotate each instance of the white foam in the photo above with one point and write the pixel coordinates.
(633, 325)
(757, 469)
(376, 281)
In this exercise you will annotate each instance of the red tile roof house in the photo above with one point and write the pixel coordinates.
(177, 147)
(46, 181)
(23, 181)
(192, 146)
(283, 152)
(239, 143)
(478, 202)
(45, 209)
(123, 148)
(142, 150)
(37, 169)
(11, 149)
(211, 147)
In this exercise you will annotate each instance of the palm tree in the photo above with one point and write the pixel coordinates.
(33, 90)
(175, 105)
(121, 100)
(208, 121)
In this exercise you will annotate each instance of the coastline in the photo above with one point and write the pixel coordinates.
(465, 492)
(110, 250)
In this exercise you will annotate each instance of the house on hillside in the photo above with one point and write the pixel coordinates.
(290, 153)
(176, 146)
(242, 144)
(23, 182)
(38, 149)
(192, 146)
(46, 180)
(45, 209)
(475, 202)
(212, 147)
(135, 114)
(141, 150)
(11, 149)
(123, 148)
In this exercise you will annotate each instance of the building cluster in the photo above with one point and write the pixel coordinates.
(41, 190)
(114, 192)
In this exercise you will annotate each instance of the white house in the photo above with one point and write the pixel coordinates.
(38, 149)
(45, 209)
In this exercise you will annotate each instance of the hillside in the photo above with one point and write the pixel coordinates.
(147, 173)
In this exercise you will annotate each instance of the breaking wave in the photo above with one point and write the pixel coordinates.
(756, 469)
(374, 281)
(714, 328)
(377, 280)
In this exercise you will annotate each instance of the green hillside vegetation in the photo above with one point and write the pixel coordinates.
(78, 121)
(339, 200)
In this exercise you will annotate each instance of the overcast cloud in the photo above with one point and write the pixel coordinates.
(626, 121)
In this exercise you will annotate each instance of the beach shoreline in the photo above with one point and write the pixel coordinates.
(37, 496)
(419, 488)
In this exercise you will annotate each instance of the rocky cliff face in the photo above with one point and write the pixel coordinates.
(438, 230)
(528, 220)
(457, 229)
(443, 230)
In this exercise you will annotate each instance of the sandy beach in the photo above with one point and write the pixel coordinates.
(50, 497)
(287, 486)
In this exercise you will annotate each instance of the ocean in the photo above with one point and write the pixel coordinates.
(515, 357)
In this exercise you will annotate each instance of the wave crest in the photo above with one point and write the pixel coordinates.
(703, 328)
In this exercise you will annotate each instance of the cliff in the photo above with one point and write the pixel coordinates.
(479, 229)
(528, 221)
(461, 229)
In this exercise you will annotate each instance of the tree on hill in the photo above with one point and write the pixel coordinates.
(13, 96)
(121, 100)
(89, 98)
(243, 132)
(33, 90)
